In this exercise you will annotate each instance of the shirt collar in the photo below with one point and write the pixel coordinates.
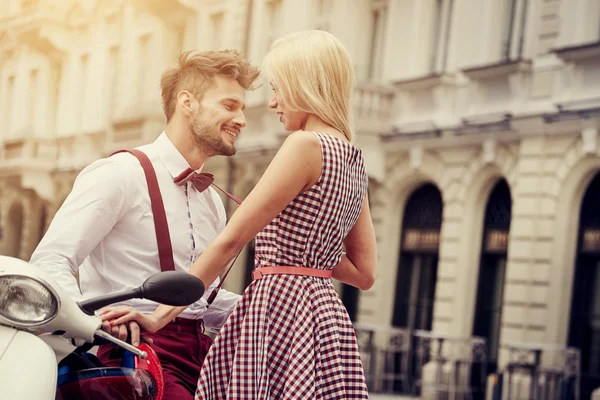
(170, 156)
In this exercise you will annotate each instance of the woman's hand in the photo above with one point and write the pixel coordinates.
(120, 315)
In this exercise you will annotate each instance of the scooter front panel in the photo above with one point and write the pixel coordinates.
(27, 367)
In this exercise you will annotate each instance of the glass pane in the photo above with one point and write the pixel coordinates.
(498, 209)
(424, 208)
(585, 320)
(594, 322)
(426, 299)
(590, 217)
(488, 312)
(403, 285)
(415, 292)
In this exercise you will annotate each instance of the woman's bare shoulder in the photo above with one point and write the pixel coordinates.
(302, 141)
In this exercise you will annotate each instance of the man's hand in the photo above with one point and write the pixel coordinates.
(119, 318)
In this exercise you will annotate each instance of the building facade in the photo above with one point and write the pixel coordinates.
(478, 120)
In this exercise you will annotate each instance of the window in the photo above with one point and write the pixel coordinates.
(9, 107)
(81, 98)
(417, 274)
(592, 25)
(379, 14)
(111, 80)
(143, 61)
(584, 327)
(514, 14)
(216, 28)
(323, 13)
(492, 271)
(273, 16)
(30, 107)
(436, 24)
(248, 28)
(271, 32)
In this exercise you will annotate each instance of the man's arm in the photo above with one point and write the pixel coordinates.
(95, 204)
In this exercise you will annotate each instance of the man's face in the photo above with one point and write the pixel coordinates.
(220, 117)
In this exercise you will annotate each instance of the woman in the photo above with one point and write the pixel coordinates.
(290, 335)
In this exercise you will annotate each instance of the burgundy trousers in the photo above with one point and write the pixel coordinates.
(181, 347)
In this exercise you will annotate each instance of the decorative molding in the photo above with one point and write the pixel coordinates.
(78, 16)
(497, 70)
(579, 52)
(589, 135)
(489, 151)
(8, 43)
(416, 157)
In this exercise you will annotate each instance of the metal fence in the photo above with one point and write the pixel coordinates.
(538, 371)
(422, 363)
(430, 365)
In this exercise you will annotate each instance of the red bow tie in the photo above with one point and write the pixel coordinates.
(200, 180)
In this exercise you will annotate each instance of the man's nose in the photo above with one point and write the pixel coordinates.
(240, 119)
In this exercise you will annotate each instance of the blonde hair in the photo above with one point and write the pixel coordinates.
(313, 72)
(195, 70)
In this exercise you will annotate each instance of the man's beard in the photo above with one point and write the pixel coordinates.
(210, 143)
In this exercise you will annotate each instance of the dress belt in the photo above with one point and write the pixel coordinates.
(258, 273)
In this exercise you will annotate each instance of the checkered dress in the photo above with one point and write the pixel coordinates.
(290, 337)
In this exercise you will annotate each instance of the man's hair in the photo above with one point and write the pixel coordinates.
(195, 70)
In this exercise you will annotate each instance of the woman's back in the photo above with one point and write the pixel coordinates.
(310, 230)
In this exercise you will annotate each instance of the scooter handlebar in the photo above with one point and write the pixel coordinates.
(108, 337)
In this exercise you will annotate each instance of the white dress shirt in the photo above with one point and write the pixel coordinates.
(105, 230)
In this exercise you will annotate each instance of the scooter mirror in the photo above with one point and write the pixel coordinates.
(173, 288)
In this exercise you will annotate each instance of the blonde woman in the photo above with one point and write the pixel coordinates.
(290, 336)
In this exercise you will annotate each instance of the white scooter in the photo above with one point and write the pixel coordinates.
(33, 306)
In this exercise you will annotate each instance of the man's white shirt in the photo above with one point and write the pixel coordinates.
(105, 230)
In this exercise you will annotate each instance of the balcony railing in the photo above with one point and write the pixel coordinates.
(373, 106)
(537, 371)
(400, 361)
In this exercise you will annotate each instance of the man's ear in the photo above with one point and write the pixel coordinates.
(186, 102)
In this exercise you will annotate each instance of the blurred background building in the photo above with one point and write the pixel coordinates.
(479, 123)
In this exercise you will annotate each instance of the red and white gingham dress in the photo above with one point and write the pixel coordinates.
(290, 337)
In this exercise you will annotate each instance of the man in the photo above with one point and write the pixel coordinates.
(105, 228)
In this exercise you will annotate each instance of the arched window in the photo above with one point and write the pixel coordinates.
(584, 328)
(417, 273)
(492, 270)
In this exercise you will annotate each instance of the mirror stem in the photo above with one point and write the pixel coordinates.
(91, 305)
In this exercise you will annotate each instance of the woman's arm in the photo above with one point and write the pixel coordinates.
(295, 168)
(358, 266)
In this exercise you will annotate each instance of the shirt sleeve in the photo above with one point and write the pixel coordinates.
(97, 201)
(225, 301)
(221, 212)
(218, 312)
